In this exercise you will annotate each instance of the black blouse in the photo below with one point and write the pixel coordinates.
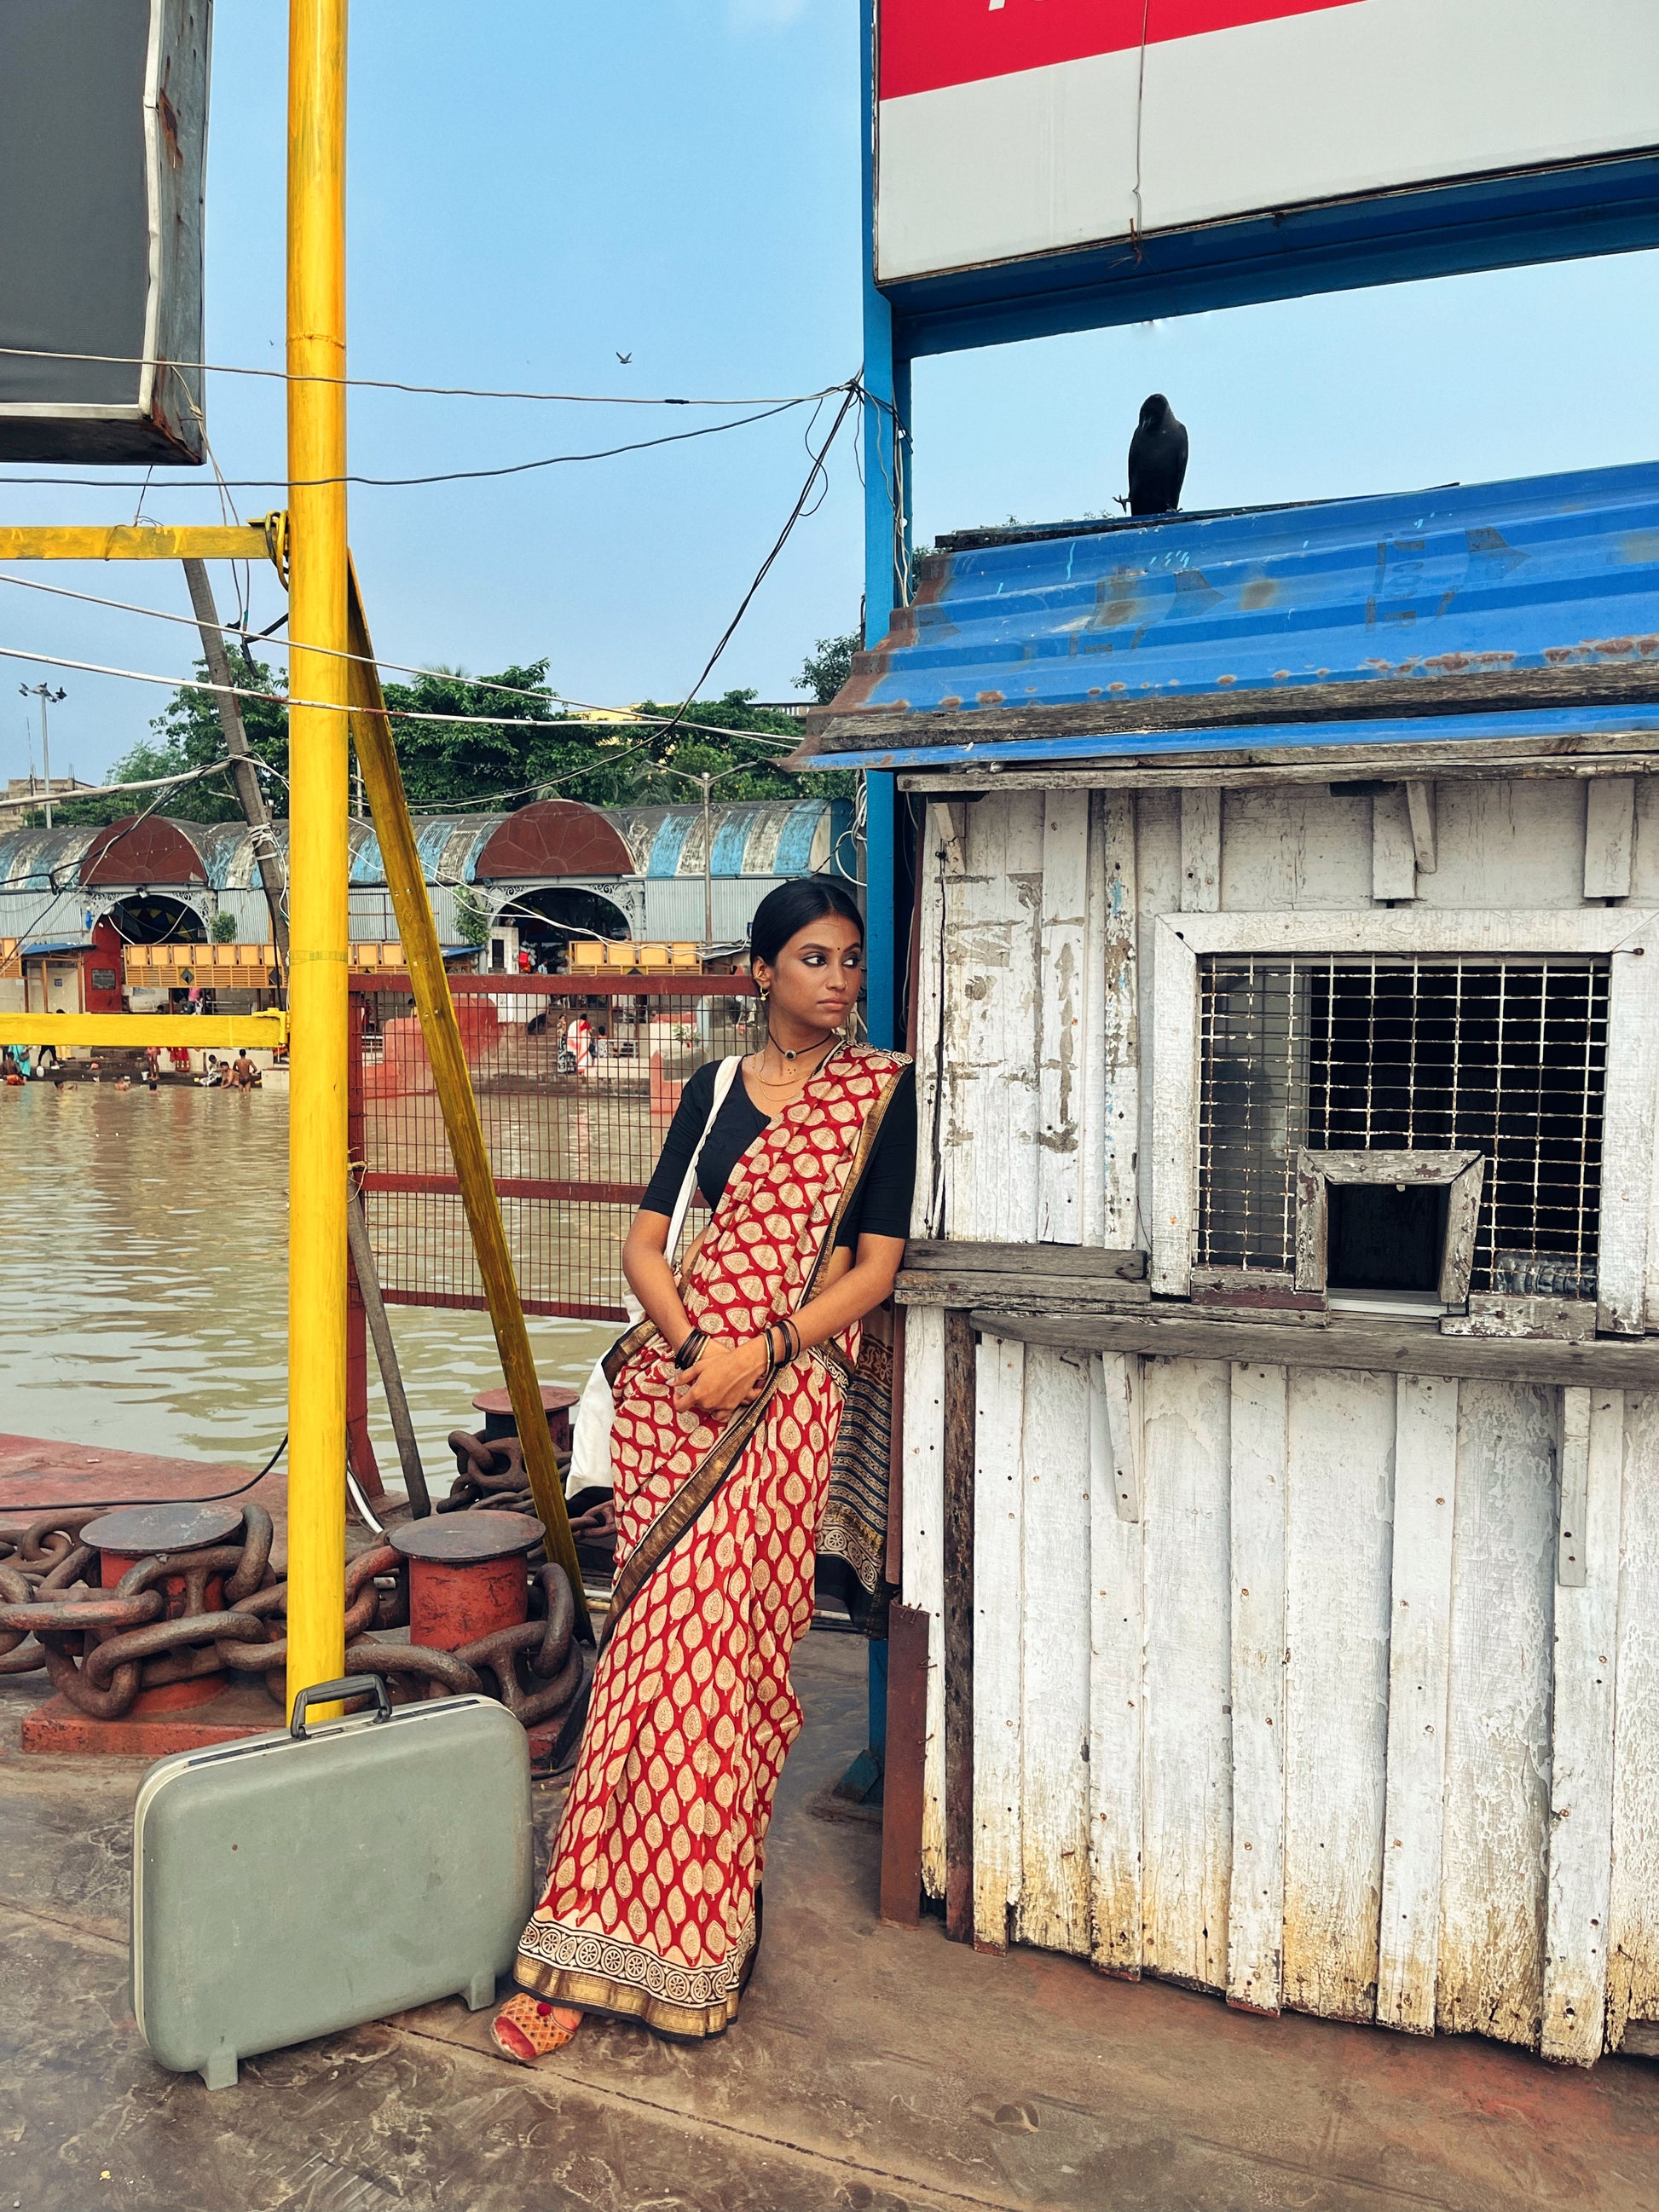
(881, 1204)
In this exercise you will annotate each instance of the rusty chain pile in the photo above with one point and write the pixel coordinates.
(491, 1477)
(101, 1648)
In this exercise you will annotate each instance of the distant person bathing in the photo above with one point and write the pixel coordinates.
(728, 1397)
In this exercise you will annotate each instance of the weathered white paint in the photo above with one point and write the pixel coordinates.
(1393, 853)
(1054, 1901)
(1255, 1917)
(1440, 1705)
(1186, 1760)
(923, 1508)
(1339, 1480)
(1120, 1387)
(1571, 1538)
(1116, 1733)
(1633, 1929)
(1497, 1817)
(1062, 1006)
(1112, 1145)
(1201, 850)
(1419, 807)
(998, 1624)
(1609, 835)
(1581, 1761)
(1420, 1671)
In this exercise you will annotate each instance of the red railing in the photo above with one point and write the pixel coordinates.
(576, 1080)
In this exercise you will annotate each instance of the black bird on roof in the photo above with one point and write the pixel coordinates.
(1157, 459)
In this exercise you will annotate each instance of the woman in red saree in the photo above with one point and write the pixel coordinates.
(727, 1397)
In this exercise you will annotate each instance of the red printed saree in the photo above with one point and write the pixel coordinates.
(650, 1905)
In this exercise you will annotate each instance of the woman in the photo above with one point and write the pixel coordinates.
(727, 1398)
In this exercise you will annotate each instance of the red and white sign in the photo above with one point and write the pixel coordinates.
(1010, 128)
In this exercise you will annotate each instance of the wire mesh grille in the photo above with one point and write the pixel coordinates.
(1506, 1057)
(575, 1093)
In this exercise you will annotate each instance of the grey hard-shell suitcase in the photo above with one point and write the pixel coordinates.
(313, 1879)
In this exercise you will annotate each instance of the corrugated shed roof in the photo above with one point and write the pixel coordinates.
(41, 860)
(1539, 593)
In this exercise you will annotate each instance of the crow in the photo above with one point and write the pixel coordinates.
(1158, 459)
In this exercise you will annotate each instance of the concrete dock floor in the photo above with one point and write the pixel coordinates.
(872, 2067)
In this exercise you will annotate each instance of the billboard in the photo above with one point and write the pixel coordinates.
(1167, 135)
(103, 131)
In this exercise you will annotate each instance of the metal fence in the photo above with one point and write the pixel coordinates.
(576, 1083)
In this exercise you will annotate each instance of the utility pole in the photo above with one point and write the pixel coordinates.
(708, 867)
(251, 799)
(43, 692)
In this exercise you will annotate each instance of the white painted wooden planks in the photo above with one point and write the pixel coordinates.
(1053, 1902)
(998, 1621)
(1419, 1672)
(1609, 835)
(1186, 1754)
(1114, 1666)
(1064, 1046)
(1255, 1919)
(924, 1554)
(1115, 970)
(1393, 852)
(993, 1023)
(1497, 1816)
(1633, 1946)
(1339, 1552)
(1201, 850)
(1581, 1758)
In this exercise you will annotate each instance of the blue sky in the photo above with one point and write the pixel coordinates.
(537, 185)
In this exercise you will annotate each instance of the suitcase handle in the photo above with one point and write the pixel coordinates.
(325, 1694)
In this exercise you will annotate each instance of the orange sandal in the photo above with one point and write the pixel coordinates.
(526, 2029)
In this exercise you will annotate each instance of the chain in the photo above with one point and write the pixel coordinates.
(101, 1648)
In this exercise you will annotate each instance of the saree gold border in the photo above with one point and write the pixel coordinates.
(594, 1993)
(700, 1487)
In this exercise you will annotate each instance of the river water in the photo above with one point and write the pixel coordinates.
(143, 1283)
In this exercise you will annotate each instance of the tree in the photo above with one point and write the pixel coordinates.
(693, 749)
(466, 764)
(188, 734)
(825, 672)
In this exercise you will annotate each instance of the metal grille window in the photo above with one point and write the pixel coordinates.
(1505, 1056)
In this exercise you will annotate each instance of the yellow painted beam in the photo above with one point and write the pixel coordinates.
(211, 1032)
(423, 957)
(318, 855)
(73, 542)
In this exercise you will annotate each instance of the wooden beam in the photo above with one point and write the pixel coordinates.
(1077, 1293)
(122, 542)
(423, 957)
(1399, 1348)
(905, 1766)
(944, 1255)
(1394, 856)
(1588, 758)
(1609, 836)
(960, 1395)
(1419, 806)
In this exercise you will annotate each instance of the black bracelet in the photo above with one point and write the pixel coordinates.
(688, 1353)
(792, 1335)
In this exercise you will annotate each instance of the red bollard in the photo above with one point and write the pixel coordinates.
(141, 1532)
(466, 1575)
(497, 1406)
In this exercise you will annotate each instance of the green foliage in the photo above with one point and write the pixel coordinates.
(825, 672)
(459, 764)
(224, 930)
(471, 916)
(189, 734)
(668, 776)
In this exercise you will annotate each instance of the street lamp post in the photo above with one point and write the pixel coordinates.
(44, 692)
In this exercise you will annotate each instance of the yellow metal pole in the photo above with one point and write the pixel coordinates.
(318, 849)
(423, 957)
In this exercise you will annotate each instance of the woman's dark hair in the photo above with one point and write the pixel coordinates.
(794, 906)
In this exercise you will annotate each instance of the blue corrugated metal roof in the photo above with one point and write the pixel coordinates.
(1415, 592)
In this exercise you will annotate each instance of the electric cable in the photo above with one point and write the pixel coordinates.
(445, 476)
(393, 384)
(109, 1504)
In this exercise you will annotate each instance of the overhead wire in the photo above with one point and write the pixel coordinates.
(425, 391)
(626, 718)
(451, 476)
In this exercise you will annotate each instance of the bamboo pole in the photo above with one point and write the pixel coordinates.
(317, 847)
(423, 957)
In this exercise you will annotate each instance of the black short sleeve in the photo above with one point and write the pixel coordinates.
(881, 1206)
(662, 1192)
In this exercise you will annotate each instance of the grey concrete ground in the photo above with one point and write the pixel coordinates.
(872, 2068)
